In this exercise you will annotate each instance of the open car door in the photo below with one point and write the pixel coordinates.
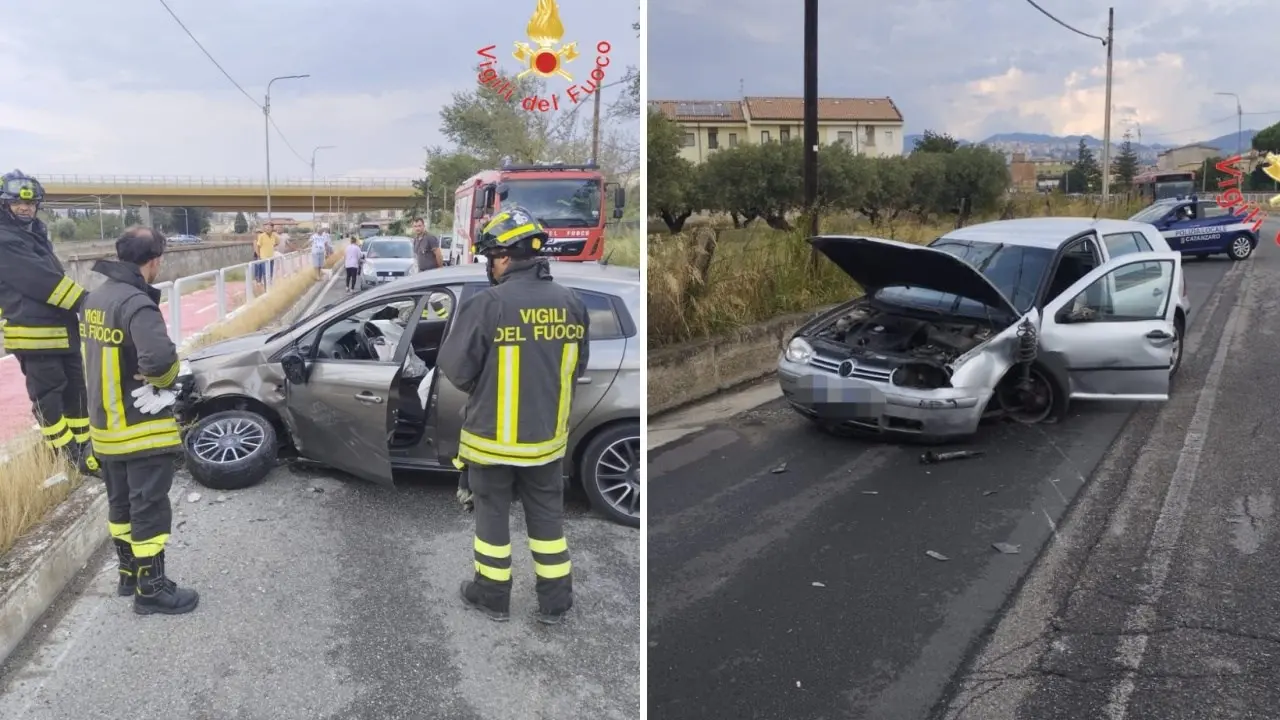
(1113, 330)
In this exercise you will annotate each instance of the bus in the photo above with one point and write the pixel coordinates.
(1162, 185)
(369, 229)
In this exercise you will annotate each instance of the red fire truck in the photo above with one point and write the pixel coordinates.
(570, 200)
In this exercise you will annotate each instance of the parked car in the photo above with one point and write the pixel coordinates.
(385, 259)
(182, 239)
(448, 251)
(1201, 227)
(1010, 318)
(343, 388)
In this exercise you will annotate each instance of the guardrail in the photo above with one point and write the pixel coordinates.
(258, 273)
(193, 181)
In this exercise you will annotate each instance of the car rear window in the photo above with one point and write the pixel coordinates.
(1125, 244)
(605, 324)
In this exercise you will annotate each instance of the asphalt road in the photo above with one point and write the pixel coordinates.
(324, 597)
(788, 574)
(1160, 597)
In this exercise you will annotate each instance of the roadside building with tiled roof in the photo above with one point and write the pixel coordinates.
(870, 126)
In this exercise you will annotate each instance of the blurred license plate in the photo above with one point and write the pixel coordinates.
(833, 396)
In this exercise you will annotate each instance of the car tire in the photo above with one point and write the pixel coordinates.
(1241, 248)
(617, 446)
(1180, 337)
(239, 466)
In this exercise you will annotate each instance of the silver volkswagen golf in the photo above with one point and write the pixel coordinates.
(353, 387)
(1011, 318)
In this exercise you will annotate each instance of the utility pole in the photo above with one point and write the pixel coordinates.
(595, 133)
(1106, 117)
(313, 179)
(811, 113)
(1239, 122)
(266, 125)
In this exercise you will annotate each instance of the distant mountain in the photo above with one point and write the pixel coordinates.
(1064, 147)
(1227, 144)
(909, 142)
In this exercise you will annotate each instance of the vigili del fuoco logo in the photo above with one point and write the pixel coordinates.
(547, 57)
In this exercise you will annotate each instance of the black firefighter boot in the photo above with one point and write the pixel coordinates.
(81, 457)
(493, 602)
(159, 594)
(128, 568)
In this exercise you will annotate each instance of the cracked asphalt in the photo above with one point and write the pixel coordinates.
(789, 574)
(1160, 598)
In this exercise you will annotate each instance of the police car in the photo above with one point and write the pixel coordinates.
(1201, 227)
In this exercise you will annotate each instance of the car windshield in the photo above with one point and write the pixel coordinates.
(389, 249)
(567, 203)
(1153, 213)
(1015, 270)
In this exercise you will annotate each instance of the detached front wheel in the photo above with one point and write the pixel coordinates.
(231, 450)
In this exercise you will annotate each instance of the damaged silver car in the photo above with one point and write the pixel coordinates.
(1004, 319)
(354, 387)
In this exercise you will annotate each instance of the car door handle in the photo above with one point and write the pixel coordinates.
(368, 397)
(1158, 335)
(584, 380)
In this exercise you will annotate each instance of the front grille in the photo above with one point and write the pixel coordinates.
(864, 372)
(390, 273)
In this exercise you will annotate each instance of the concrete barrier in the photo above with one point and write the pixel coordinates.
(179, 261)
(687, 373)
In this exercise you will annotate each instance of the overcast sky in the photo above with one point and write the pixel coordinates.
(113, 87)
(974, 68)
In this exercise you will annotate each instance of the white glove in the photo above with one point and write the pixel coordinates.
(150, 400)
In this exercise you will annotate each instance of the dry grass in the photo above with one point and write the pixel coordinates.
(23, 499)
(623, 250)
(759, 273)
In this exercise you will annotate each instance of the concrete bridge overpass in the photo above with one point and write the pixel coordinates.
(230, 194)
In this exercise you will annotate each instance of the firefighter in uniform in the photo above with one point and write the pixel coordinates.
(517, 349)
(38, 302)
(133, 367)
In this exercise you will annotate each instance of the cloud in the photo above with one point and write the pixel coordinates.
(974, 69)
(96, 88)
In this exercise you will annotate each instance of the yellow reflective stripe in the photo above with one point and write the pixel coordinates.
(500, 217)
(568, 366)
(507, 417)
(494, 551)
(133, 432)
(165, 380)
(36, 333)
(77, 423)
(59, 442)
(59, 294)
(158, 442)
(112, 390)
(150, 435)
(495, 574)
(73, 296)
(549, 547)
(119, 531)
(55, 429)
(551, 572)
(13, 343)
(482, 457)
(537, 449)
(516, 232)
(150, 547)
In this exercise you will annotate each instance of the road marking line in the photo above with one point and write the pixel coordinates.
(206, 308)
(1132, 648)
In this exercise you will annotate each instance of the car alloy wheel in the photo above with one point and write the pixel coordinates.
(228, 440)
(1241, 247)
(618, 476)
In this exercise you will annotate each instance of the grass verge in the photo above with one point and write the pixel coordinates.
(25, 462)
(623, 249)
(757, 273)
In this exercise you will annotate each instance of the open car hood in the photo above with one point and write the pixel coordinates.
(876, 264)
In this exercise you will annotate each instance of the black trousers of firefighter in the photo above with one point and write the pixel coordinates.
(139, 516)
(59, 400)
(541, 491)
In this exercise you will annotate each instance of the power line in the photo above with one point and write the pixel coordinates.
(207, 54)
(1050, 15)
(285, 139)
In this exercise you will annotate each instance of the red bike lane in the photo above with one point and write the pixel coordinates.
(199, 310)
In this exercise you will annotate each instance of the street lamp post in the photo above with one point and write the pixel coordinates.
(266, 123)
(811, 114)
(1239, 122)
(313, 178)
(1106, 115)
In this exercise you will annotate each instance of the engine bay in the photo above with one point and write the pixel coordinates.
(867, 331)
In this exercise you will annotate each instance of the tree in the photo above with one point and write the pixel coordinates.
(445, 171)
(890, 195)
(1126, 164)
(1268, 139)
(242, 224)
(671, 178)
(1084, 175)
(627, 106)
(977, 179)
(64, 229)
(936, 142)
(132, 217)
(489, 125)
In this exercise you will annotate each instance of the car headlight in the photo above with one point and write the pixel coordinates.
(798, 351)
(368, 270)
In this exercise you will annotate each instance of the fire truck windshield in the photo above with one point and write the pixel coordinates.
(558, 203)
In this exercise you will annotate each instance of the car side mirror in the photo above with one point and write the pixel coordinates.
(295, 368)
(503, 192)
(620, 198)
(618, 213)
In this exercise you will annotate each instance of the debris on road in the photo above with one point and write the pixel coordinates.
(54, 480)
(818, 584)
(316, 490)
(1007, 548)
(870, 492)
(780, 469)
(931, 457)
(937, 556)
(193, 497)
(988, 493)
(220, 499)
